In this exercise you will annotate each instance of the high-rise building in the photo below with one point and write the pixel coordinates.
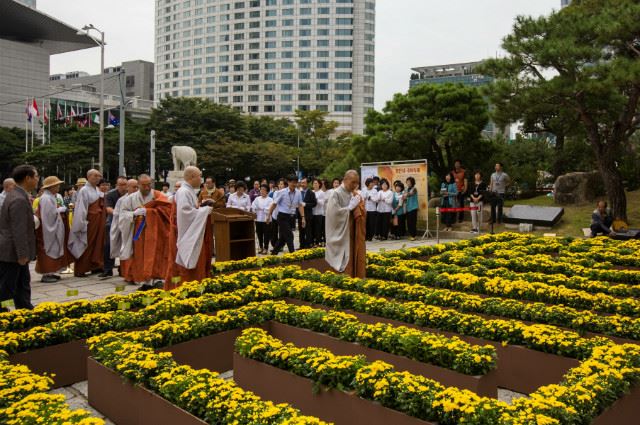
(27, 39)
(270, 57)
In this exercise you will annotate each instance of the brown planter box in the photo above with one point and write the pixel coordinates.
(67, 361)
(127, 404)
(485, 385)
(519, 369)
(623, 411)
(213, 352)
(331, 405)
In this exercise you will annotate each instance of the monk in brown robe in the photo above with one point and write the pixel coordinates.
(190, 239)
(345, 228)
(144, 224)
(86, 239)
(53, 233)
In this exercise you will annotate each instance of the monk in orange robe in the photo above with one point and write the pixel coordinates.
(191, 236)
(144, 225)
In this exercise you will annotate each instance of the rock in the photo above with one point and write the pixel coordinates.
(578, 188)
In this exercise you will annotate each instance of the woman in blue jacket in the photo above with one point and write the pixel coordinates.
(448, 193)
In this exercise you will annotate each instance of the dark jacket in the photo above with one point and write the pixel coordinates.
(17, 229)
(310, 202)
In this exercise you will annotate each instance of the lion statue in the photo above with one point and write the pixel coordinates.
(183, 156)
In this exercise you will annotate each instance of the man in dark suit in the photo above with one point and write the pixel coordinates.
(309, 199)
(18, 239)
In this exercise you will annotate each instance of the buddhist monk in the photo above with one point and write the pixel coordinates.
(210, 191)
(86, 239)
(52, 235)
(345, 228)
(145, 216)
(115, 234)
(190, 239)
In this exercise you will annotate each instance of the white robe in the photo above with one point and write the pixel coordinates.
(192, 222)
(115, 235)
(126, 221)
(78, 235)
(52, 226)
(337, 229)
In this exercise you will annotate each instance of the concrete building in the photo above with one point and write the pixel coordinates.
(270, 57)
(27, 39)
(139, 76)
(457, 73)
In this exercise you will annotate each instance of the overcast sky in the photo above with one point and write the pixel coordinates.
(409, 33)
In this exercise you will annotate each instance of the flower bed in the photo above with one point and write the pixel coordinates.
(585, 392)
(201, 393)
(24, 399)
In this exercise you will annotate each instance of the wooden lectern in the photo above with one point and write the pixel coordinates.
(235, 234)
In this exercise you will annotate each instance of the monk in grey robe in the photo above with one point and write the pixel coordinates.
(86, 239)
(345, 228)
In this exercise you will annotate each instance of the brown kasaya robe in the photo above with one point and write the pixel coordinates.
(175, 274)
(46, 264)
(357, 265)
(93, 257)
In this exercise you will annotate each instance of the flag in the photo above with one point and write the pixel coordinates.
(72, 113)
(59, 114)
(34, 108)
(28, 111)
(46, 114)
(113, 120)
(96, 118)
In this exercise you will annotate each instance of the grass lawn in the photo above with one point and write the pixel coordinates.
(577, 217)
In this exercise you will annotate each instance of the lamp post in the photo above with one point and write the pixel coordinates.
(85, 31)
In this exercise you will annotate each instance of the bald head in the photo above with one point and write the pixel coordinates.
(351, 180)
(144, 184)
(193, 176)
(93, 177)
(8, 185)
(132, 186)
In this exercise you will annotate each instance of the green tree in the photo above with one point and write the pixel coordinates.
(436, 122)
(319, 147)
(11, 150)
(584, 63)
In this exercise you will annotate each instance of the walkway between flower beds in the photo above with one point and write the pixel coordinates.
(93, 288)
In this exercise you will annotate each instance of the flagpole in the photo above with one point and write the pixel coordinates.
(32, 119)
(49, 138)
(26, 129)
(44, 105)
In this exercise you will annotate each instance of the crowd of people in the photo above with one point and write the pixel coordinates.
(458, 191)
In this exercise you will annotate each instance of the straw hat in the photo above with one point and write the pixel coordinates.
(81, 181)
(50, 182)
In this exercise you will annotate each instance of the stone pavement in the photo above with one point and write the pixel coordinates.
(93, 288)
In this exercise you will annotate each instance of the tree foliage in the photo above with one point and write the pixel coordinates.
(581, 67)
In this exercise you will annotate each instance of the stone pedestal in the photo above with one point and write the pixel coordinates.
(173, 177)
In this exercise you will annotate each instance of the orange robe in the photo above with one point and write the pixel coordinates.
(150, 250)
(175, 274)
(357, 265)
(92, 259)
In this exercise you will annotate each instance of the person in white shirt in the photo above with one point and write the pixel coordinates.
(318, 213)
(384, 208)
(370, 196)
(274, 216)
(239, 199)
(261, 206)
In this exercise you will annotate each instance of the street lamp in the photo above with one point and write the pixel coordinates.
(85, 31)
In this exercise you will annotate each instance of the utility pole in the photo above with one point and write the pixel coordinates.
(123, 105)
(152, 155)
